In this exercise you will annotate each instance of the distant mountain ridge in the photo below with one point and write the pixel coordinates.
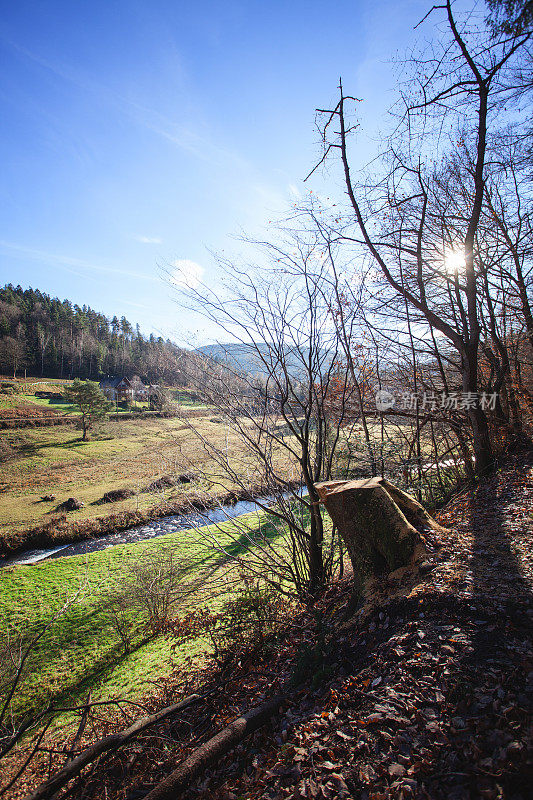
(248, 357)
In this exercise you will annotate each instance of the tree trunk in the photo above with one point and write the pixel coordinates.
(316, 561)
(482, 442)
(382, 527)
(524, 300)
(478, 421)
(73, 767)
(173, 786)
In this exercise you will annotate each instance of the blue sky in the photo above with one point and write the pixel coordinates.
(139, 133)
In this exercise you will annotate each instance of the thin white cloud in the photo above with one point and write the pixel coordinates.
(186, 274)
(68, 262)
(134, 305)
(184, 136)
(148, 239)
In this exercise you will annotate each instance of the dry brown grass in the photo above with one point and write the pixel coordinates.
(129, 454)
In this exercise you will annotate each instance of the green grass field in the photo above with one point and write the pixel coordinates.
(82, 650)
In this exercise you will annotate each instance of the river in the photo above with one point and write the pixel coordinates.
(159, 527)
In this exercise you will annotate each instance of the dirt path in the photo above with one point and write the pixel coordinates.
(490, 553)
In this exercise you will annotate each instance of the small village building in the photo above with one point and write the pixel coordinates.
(119, 390)
(141, 390)
(126, 390)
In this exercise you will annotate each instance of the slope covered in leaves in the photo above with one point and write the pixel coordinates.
(424, 693)
(432, 690)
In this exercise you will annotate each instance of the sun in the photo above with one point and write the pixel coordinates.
(454, 261)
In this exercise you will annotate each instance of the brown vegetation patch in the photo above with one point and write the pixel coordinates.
(167, 482)
(115, 495)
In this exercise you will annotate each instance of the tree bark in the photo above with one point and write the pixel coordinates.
(382, 527)
(73, 768)
(212, 750)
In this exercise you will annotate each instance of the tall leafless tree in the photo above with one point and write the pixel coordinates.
(280, 389)
(455, 96)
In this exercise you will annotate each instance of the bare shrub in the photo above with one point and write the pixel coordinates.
(250, 622)
(149, 596)
(120, 615)
(157, 586)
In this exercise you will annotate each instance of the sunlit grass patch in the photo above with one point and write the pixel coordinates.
(126, 454)
(82, 651)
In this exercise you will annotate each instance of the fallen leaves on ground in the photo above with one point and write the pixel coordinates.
(426, 695)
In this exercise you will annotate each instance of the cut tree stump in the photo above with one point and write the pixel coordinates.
(381, 526)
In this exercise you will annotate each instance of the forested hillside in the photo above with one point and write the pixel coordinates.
(59, 339)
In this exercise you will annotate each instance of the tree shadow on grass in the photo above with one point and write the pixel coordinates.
(76, 690)
(74, 625)
(32, 448)
(63, 640)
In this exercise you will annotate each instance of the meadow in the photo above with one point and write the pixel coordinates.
(129, 455)
(126, 454)
(82, 650)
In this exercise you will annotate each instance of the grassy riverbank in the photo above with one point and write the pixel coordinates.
(82, 650)
(128, 454)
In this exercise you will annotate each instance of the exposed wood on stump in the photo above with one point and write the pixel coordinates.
(382, 526)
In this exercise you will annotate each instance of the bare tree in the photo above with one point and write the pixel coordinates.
(400, 218)
(12, 354)
(272, 386)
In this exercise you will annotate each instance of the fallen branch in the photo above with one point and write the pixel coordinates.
(209, 752)
(73, 768)
(81, 728)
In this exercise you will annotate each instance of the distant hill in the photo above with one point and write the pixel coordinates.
(248, 358)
